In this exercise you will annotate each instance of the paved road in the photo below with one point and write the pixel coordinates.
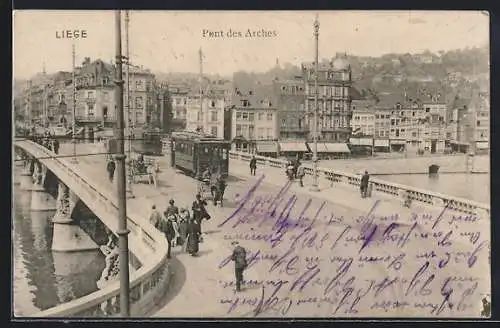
(301, 268)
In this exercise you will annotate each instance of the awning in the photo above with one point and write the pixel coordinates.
(361, 141)
(105, 134)
(398, 142)
(267, 147)
(482, 145)
(293, 147)
(321, 147)
(381, 143)
(337, 148)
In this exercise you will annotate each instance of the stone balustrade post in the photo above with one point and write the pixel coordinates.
(40, 199)
(26, 176)
(68, 236)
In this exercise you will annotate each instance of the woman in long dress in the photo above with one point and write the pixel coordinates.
(193, 237)
(183, 228)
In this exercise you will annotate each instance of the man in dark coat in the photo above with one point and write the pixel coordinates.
(239, 257)
(111, 170)
(166, 226)
(253, 165)
(364, 184)
(171, 209)
(199, 211)
(55, 146)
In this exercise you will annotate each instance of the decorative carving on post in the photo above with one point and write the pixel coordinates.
(63, 203)
(37, 174)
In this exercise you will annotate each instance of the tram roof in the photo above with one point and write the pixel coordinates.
(201, 137)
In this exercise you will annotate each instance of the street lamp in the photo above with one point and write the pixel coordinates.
(120, 157)
(315, 120)
(73, 139)
(129, 191)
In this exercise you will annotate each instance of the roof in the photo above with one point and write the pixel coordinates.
(257, 98)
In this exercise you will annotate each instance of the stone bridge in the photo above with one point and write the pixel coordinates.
(147, 246)
(198, 287)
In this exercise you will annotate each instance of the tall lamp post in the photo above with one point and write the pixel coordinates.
(73, 139)
(120, 157)
(129, 191)
(315, 120)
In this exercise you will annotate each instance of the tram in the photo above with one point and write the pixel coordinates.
(194, 153)
(146, 142)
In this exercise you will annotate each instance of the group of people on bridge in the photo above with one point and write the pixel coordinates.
(47, 140)
(182, 228)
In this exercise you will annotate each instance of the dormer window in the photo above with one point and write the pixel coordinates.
(245, 103)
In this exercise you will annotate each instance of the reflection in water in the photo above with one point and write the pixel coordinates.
(469, 186)
(43, 279)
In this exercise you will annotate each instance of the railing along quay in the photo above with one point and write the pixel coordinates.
(147, 284)
(392, 189)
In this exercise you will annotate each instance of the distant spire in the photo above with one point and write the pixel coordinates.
(277, 62)
(43, 68)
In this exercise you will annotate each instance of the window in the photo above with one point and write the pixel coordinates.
(261, 133)
(105, 81)
(212, 104)
(138, 102)
(238, 115)
(105, 111)
(393, 122)
(213, 116)
(238, 129)
(270, 133)
(337, 91)
(244, 116)
(251, 132)
(90, 94)
(478, 123)
(139, 84)
(213, 130)
(261, 116)
(414, 134)
(105, 95)
(269, 116)
(245, 103)
(251, 116)
(90, 111)
(427, 110)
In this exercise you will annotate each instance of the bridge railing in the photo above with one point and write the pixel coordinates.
(145, 242)
(396, 190)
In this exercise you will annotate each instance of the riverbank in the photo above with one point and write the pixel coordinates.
(413, 165)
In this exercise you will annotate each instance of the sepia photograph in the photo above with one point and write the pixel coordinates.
(251, 164)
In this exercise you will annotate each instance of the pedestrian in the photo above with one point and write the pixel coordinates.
(155, 216)
(166, 226)
(183, 228)
(364, 184)
(199, 211)
(219, 194)
(171, 209)
(193, 237)
(239, 257)
(111, 169)
(55, 145)
(253, 165)
(301, 172)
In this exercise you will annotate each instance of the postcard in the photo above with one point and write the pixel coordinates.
(251, 164)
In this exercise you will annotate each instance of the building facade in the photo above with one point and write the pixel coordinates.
(334, 101)
(291, 109)
(253, 119)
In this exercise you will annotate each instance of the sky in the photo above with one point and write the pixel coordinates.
(168, 41)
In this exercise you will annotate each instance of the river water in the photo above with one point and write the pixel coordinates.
(41, 278)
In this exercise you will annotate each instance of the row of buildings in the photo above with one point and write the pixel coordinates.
(268, 118)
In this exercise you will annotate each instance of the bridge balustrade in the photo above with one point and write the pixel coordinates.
(145, 242)
(390, 189)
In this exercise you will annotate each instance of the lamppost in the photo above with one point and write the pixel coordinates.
(120, 157)
(129, 191)
(315, 120)
(73, 139)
